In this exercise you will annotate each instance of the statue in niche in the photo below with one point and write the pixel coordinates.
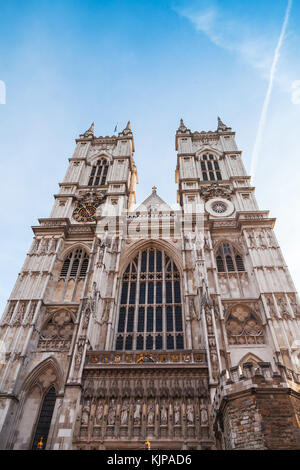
(100, 413)
(112, 413)
(124, 413)
(101, 254)
(105, 313)
(137, 412)
(85, 414)
(176, 413)
(192, 309)
(204, 415)
(151, 414)
(164, 414)
(190, 413)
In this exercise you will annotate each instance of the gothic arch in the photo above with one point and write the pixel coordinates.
(102, 154)
(250, 357)
(229, 257)
(67, 250)
(239, 248)
(208, 148)
(34, 376)
(171, 251)
(44, 377)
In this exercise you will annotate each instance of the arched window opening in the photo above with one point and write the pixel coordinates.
(150, 312)
(75, 265)
(99, 173)
(244, 327)
(228, 259)
(44, 421)
(210, 168)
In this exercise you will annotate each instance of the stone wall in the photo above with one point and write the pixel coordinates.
(257, 408)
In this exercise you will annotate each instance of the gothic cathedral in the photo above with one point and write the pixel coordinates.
(177, 327)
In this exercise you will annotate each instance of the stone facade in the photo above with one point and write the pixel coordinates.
(123, 320)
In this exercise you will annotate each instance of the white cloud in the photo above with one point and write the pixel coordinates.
(240, 36)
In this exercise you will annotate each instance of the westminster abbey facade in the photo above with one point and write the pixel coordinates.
(131, 324)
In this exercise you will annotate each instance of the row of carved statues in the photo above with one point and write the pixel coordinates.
(150, 412)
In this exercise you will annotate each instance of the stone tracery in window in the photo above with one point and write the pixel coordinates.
(150, 313)
(244, 327)
(99, 173)
(210, 168)
(228, 259)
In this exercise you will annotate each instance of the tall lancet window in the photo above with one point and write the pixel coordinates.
(228, 259)
(44, 421)
(150, 313)
(210, 168)
(99, 173)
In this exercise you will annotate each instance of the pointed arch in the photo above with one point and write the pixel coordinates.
(44, 377)
(34, 377)
(250, 357)
(171, 251)
(228, 257)
(209, 161)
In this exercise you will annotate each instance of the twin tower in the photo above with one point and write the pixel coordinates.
(126, 325)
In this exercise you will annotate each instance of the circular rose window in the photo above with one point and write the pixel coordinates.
(219, 207)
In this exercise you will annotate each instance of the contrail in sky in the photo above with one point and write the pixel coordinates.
(263, 116)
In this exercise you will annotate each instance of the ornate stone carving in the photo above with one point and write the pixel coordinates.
(112, 413)
(163, 414)
(94, 197)
(190, 413)
(137, 412)
(57, 332)
(216, 190)
(125, 412)
(99, 414)
(243, 326)
(151, 413)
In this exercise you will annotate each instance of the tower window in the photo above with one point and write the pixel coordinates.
(228, 259)
(75, 265)
(210, 168)
(99, 173)
(150, 311)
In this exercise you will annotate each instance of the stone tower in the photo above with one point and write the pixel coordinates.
(174, 326)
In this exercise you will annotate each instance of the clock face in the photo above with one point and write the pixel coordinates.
(85, 213)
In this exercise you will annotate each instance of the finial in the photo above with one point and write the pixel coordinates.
(221, 125)
(154, 189)
(127, 129)
(90, 131)
(182, 127)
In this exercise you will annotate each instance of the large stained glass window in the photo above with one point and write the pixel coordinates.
(150, 312)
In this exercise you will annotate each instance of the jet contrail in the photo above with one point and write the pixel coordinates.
(265, 107)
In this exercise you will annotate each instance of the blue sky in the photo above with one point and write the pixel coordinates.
(68, 63)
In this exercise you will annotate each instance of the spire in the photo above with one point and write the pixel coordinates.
(127, 129)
